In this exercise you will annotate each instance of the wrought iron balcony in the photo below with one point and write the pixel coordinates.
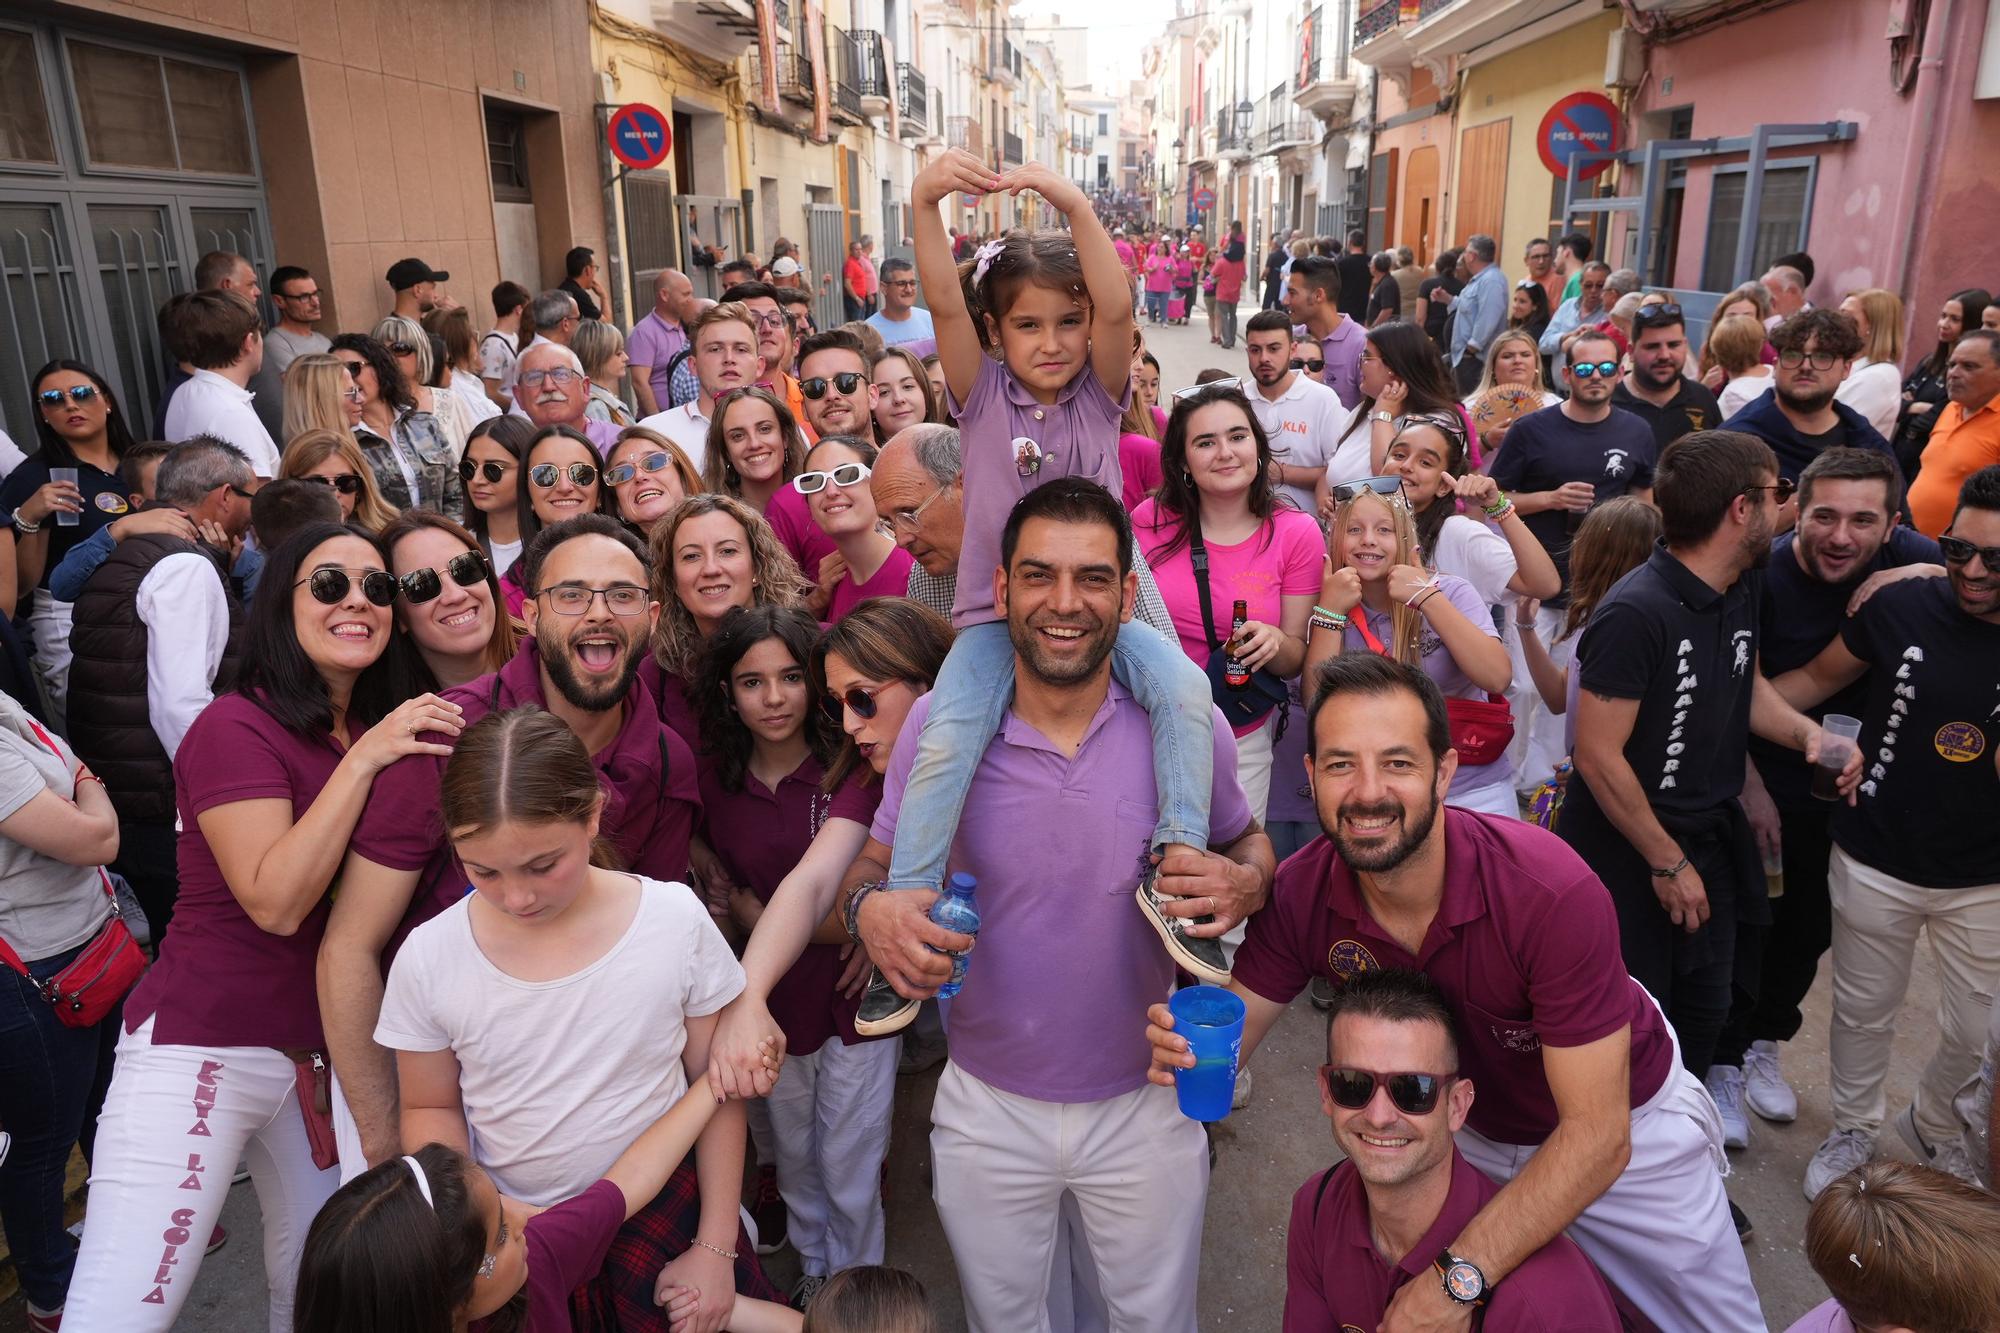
(795, 74)
(871, 72)
(846, 73)
(916, 100)
(963, 132)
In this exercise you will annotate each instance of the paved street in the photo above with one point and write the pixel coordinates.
(1264, 1151)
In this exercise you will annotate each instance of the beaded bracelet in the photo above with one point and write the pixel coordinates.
(851, 917)
(1502, 502)
(730, 1255)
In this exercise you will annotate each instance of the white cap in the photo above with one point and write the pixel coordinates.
(785, 267)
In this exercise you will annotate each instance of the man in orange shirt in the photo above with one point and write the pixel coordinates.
(1967, 435)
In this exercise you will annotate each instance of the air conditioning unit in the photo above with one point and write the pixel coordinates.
(1624, 59)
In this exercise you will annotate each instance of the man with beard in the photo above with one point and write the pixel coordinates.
(1302, 417)
(1046, 1092)
(1848, 545)
(553, 390)
(833, 376)
(1801, 417)
(1654, 389)
(1583, 1114)
(1919, 852)
(1669, 696)
(590, 617)
(1385, 1217)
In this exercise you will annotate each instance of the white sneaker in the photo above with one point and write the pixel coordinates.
(1843, 1150)
(1950, 1157)
(1725, 1084)
(1764, 1086)
(1241, 1098)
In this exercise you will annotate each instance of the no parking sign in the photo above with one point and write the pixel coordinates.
(1579, 123)
(640, 136)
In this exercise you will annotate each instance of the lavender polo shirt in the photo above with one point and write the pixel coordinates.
(1077, 436)
(1342, 349)
(653, 343)
(1055, 998)
(1524, 945)
(1336, 1278)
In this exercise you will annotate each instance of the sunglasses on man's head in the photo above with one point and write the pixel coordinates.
(620, 473)
(492, 471)
(329, 586)
(1665, 312)
(1412, 1094)
(1959, 551)
(421, 585)
(847, 381)
(1781, 490)
(78, 394)
(546, 475)
(347, 483)
(1584, 370)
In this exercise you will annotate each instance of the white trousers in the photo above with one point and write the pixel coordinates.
(1253, 765)
(1661, 1233)
(1494, 798)
(48, 634)
(1539, 742)
(175, 1123)
(1138, 1170)
(1974, 1105)
(1876, 920)
(830, 1131)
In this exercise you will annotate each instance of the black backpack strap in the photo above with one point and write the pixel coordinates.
(1198, 555)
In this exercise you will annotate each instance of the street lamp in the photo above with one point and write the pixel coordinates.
(1246, 112)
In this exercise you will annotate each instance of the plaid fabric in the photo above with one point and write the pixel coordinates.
(620, 1298)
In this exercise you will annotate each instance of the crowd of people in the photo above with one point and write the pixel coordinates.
(491, 787)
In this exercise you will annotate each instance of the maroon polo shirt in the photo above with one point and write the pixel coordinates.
(670, 693)
(647, 772)
(760, 834)
(1524, 945)
(1335, 1278)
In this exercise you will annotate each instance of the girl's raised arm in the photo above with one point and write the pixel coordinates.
(959, 350)
(1103, 276)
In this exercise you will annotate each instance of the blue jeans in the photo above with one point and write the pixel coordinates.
(970, 698)
(52, 1082)
(1156, 305)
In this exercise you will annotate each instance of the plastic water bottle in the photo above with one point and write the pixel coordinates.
(956, 911)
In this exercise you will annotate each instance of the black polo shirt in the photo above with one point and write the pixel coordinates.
(1928, 811)
(586, 304)
(1545, 449)
(1692, 408)
(1798, 618)
(1686, 653)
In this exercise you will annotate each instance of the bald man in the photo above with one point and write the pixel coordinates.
(656, 339)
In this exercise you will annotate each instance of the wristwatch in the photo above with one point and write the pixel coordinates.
(1463, 1281)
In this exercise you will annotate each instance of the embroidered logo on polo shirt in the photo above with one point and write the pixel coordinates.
(1521, 1041)
(1350, 958)
(1960, 742)
(1741, 661)
(111, 502)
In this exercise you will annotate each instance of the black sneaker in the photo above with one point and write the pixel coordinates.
(1744, 1231)
(1321, 993)
(883, 1011)
(805, 1289)
(1202, 959)
(767, 1210)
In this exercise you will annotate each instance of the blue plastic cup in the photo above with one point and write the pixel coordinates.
(1211, 1020)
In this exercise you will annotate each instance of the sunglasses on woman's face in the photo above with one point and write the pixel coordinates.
(620, 473)
(855, 700)
(493, 472)
(846, 382)
(78, 394)
(847, 474)
(1316, 367)
(467, 571)
(329, 586)
(347, 483)
(402, 349)
(353, 368)
(1412, 1094)
(546, 475)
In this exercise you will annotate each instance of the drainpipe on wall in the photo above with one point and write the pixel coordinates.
(1919, 169)
(614, 229)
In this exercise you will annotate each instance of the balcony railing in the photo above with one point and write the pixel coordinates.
(916, 91)
(846, 73)
(1376, 20)
(1003, 59)
(1283, 131)
(1010, 148)
(963, 132)
(782, 11)
(795, 74)
(1228, 138)
(871, 69)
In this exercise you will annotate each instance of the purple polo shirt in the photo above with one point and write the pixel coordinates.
(1524, 945)
(1335, 1278)
(760, 835)
(1056, 994)
(1077, 436)
(647, 772)
(653, 343)
(1342, 349)
(222, 980)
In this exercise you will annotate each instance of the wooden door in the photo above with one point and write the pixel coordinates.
(1420, 204)
(1482, 181)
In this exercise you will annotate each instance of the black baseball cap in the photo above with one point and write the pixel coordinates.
(407, 273)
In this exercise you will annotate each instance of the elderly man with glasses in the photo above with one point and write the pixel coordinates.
(552, 389)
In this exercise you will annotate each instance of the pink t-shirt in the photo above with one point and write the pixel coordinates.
(789, 518)
(891, 580)
(1075, 436)
(1125, 255)
(1139, 461)
(1159, 273)
(1284, 558)
(1228, 279)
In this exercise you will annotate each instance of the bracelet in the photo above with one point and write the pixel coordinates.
(1422, 595)
(1321, 613)
(1671, 870)
(851, 916)
(1382, 416)
(1328, 621)
(1502, 502)
(90, 777)
(730, 1255)
(25, 528)
(1500, 515)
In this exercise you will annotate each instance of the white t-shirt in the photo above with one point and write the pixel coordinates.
(1875, 390)
(559, 1077)
(208, 404)
(497, 359)
(687, 427)
(1744, 390)
(471, 390)
(504, 556)
(1473, 551)
(1303, 423)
